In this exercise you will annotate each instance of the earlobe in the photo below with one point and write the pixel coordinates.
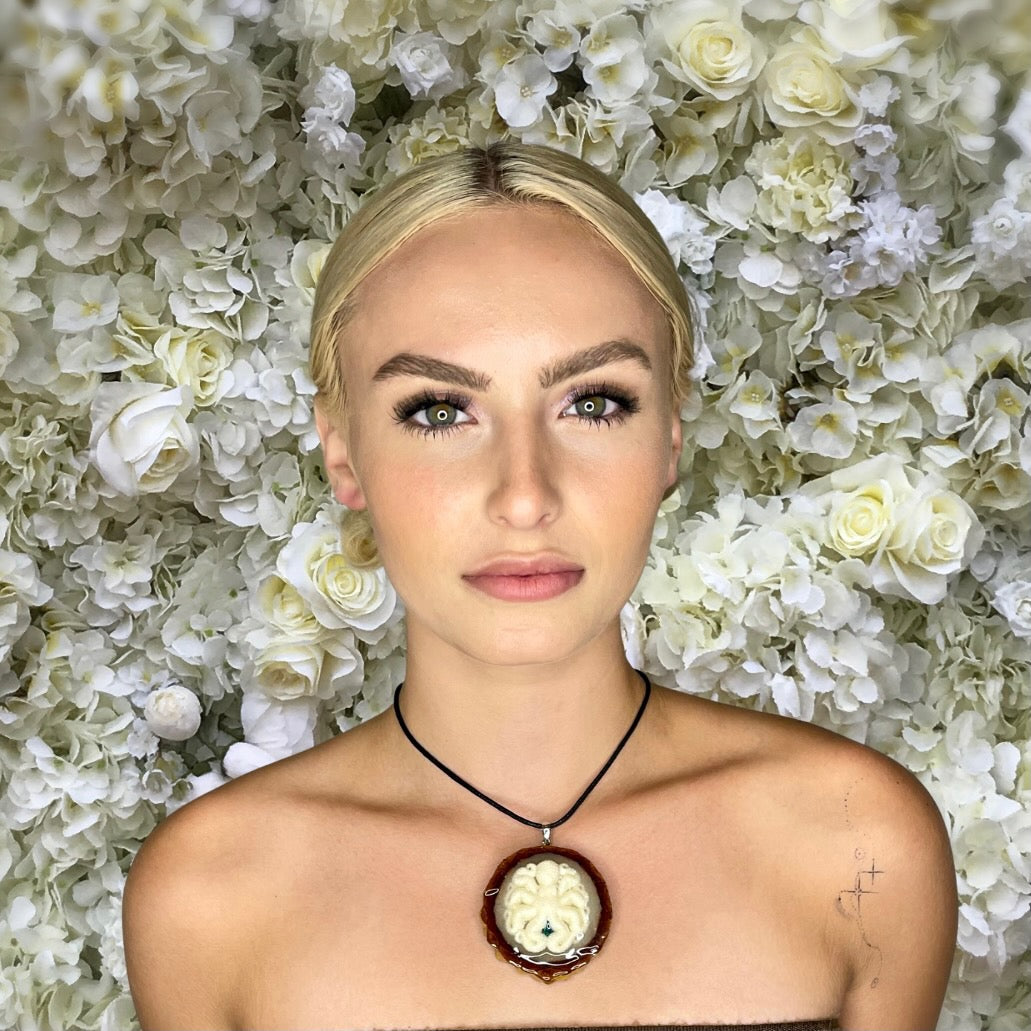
(336, 457)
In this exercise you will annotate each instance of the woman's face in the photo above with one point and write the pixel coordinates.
(458, 468)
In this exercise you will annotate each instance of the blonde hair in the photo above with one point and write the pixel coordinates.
(506, 172)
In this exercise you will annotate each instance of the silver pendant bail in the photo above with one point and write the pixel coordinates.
(547, 835)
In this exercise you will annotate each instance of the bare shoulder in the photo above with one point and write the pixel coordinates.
(204, 887)
(182, 915)
(863, 847)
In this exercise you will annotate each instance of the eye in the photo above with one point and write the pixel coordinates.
(436, 406)
(593, 402)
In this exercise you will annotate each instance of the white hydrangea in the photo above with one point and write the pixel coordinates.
(21, 587)
(613, 60)
(687, 235)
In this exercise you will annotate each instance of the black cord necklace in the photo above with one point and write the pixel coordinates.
(546, 909)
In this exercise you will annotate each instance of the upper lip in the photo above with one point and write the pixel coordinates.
(524, 565)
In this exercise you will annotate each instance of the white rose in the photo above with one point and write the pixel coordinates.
(711, 49)
(173, 712)
(339, 595)
(199, 359)
(334, 93)
(140, 441)
(935, 534)
(861, 31)
(801, 88)
(281, 604)
(860, 520)
(1013, 600)
(286, 670)
(423, 61)
(306, 264)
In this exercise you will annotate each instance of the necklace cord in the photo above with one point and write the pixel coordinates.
(497, 805)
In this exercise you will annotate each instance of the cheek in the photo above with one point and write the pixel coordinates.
(414, 503)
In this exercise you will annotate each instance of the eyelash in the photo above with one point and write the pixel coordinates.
(404, 411)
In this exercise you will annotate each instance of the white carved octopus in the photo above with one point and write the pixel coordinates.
(546, 894)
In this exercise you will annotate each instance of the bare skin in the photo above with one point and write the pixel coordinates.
(760, 869)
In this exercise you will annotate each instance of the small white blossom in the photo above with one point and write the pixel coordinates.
(1013, 600)
(876, 95)
(522, 89)
(827, 428)
(557, 31)
(614, 66)
(83, 302)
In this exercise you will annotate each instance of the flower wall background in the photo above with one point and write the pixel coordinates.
(846, 186)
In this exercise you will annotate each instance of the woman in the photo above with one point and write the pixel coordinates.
(501, 345)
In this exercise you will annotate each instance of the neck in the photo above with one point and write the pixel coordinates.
(531, 737)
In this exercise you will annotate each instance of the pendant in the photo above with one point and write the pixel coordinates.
(546, 910)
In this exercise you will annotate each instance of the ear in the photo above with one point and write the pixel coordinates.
(336, 456)
(677, 445)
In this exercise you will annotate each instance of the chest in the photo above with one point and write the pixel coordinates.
(378, 926)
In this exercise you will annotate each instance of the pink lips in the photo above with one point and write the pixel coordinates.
(534, 587)
(523, 576)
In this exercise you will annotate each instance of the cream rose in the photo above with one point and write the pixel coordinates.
(199, 359)
(935, 534)
(934, 530)
(861, 519)
(801, 88)
(281, 604)
(710, 49)
(339, 595)
(140, 440)
(306, 266)
(286, 670)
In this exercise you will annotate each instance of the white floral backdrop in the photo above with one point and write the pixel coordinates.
(846, 186)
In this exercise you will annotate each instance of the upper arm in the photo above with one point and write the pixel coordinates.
(899, 902)
(179, 924)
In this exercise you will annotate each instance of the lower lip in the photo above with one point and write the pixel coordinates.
(527, 588)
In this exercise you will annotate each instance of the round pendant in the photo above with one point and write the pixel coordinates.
(546, 910)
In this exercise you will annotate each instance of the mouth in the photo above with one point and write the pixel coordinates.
(534, 586)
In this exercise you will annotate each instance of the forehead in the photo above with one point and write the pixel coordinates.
(497, 269)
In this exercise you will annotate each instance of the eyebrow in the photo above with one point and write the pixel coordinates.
(408, 363)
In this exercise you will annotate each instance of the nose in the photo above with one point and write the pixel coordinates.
(525, 479)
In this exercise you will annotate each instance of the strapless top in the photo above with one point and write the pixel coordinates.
(828, 1024)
